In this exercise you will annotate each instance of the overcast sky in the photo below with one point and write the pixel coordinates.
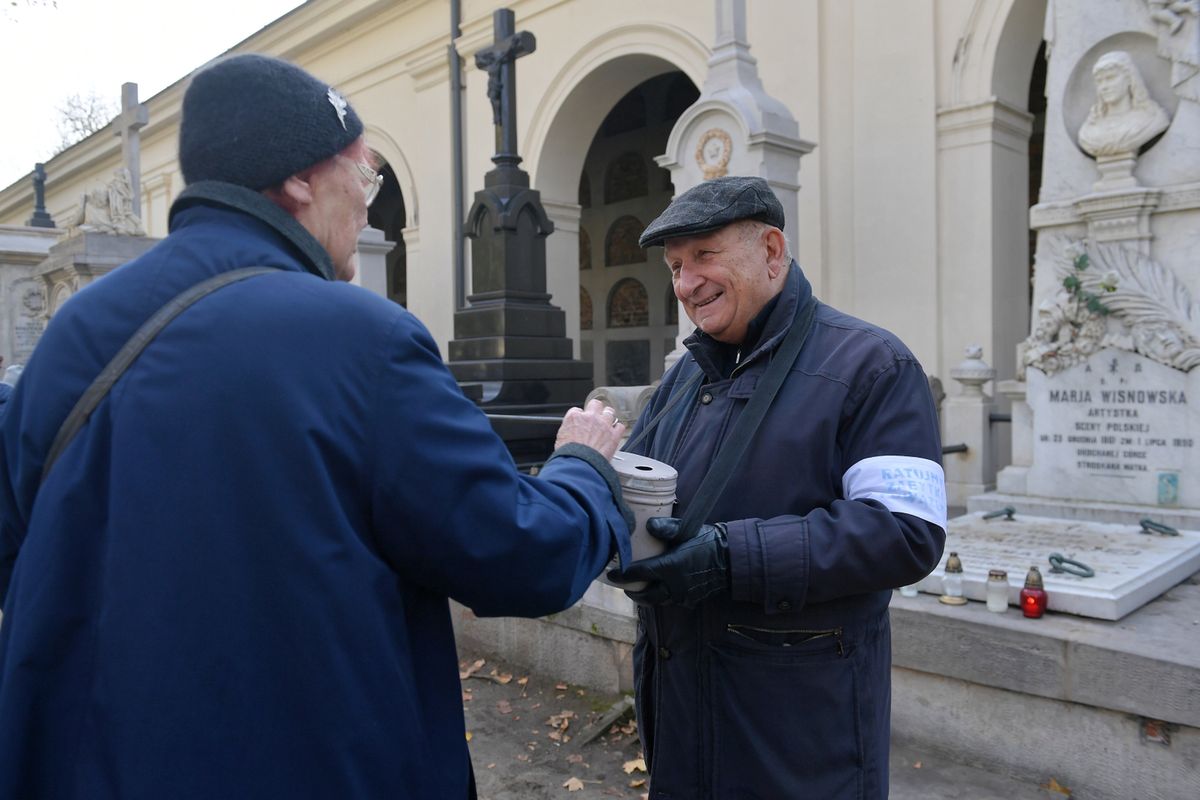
(49, 52)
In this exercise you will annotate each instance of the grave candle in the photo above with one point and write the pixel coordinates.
(1033, 596)
(997, 591)
(952, 586)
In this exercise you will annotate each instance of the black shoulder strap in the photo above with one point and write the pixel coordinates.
(677, 395)
(100, 387)
(747, 423)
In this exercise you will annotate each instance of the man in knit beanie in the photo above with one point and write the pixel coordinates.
(262, 124)
(232, 579)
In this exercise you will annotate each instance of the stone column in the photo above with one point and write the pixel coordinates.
(562, 264)
(966, 419)
(1013, 479)
(735, 128)
(373, 248)
(983, 162)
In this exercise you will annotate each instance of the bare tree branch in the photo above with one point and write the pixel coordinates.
(10, 9)
(80, 116)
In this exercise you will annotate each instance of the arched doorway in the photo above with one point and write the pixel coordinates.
(572, 118)
(985, 124)
(620, 190)
(388, 214)
(1037, 136)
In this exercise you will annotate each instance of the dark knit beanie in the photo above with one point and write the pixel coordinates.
(254, 121)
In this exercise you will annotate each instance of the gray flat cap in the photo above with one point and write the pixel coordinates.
(712, 205)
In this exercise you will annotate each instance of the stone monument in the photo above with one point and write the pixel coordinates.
(1106, 420)
(23, 310)
(108, 209)
(40, 218)
(735, 128)
(510, 351)
(134, 116)
(106, 229)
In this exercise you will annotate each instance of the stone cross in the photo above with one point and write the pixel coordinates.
(133, 117)
(500, 62)
(40, 218)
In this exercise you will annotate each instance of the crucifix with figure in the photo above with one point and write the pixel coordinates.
(510, 351)
(500, 62)
(132, 119)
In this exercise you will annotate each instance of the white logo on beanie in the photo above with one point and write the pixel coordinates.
(339, 105)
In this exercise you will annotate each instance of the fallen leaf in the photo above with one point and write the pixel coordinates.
(573, 784)
(638, 764)
(580, 692)
(466, 697)
(637, 783)
(522, 756)
(917, 765)
(574, 758)
(471, 670)
(1054, 786)
(504, 707)
(562, 687)
(503, 678)
(492, 765)
(469, 735)
(523, 681)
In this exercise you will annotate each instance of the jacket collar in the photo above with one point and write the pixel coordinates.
(712, 355)
(313, 256)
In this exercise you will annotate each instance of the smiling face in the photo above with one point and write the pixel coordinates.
(726, 277)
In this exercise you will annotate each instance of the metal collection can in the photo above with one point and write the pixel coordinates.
(648, 488)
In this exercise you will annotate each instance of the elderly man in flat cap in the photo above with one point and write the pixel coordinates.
(231, 581)
(809, 486)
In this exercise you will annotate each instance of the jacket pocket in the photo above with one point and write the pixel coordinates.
(785, 714)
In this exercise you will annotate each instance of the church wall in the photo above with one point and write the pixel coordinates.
(864, 80)
(792, 64)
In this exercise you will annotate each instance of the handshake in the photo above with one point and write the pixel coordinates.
(689, 571)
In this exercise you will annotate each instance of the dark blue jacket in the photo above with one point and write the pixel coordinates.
(780, 688)
(233, 583)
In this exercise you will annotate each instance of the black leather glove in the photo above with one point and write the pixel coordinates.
(687, 573)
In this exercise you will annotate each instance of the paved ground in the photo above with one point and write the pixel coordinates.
(527, 737)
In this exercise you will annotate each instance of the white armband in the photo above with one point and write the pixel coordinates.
(903, 484)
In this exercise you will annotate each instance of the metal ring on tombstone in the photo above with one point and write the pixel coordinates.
(1150, 526)
(1060, 563)
(648, 488)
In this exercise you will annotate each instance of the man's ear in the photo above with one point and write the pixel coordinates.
(293, 195)
(776, 252)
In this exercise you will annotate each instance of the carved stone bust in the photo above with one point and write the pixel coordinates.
(1124, 116)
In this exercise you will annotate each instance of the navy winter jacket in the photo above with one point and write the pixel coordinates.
(781, 687)
(233, 583)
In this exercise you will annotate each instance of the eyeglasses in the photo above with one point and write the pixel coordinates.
(372, 180)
